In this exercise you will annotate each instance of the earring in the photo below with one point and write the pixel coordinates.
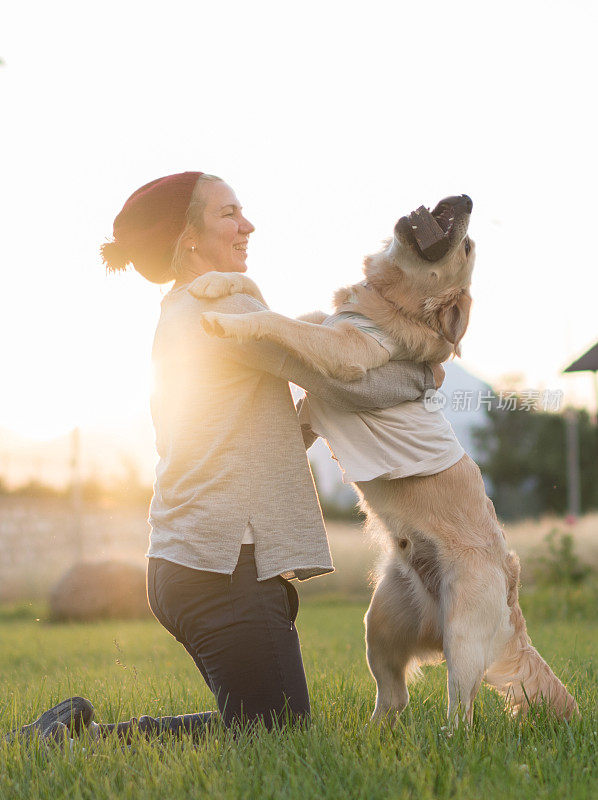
(193, 248)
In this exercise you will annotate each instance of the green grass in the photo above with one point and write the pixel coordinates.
(130, 668)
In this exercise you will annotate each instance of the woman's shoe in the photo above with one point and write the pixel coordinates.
(57, 733)
(75, 713)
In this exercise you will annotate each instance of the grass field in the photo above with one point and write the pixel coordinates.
(130, 668)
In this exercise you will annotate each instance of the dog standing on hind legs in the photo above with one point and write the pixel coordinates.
(450, 585)
(436, 595)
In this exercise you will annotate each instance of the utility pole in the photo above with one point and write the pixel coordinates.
(573, 479)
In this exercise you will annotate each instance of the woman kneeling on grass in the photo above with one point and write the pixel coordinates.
(234, 514)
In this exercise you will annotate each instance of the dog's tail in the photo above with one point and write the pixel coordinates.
(521, 674)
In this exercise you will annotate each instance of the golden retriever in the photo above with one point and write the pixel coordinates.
(449, 585)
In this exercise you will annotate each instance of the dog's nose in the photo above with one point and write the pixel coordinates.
(468, 203)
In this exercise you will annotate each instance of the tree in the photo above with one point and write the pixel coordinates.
(524, 457)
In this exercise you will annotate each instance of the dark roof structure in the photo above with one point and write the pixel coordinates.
(587, 362)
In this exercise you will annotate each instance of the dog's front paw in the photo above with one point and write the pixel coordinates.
(226, 326)
(348, 372)
(216, 284)
(213, 324)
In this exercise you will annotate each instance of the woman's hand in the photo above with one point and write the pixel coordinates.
(439, 374)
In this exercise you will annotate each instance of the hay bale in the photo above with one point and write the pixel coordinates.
(99, 590)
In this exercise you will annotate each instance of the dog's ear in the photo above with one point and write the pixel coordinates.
(454, 320)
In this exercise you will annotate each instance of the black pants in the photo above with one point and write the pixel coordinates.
(241, 634)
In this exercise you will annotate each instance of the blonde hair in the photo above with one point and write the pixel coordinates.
(194, 221)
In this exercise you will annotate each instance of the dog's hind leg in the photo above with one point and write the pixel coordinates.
(399, 623)
(475, 620)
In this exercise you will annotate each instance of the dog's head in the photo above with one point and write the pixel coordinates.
(429, 273)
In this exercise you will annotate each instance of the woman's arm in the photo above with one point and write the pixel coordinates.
(383, 387)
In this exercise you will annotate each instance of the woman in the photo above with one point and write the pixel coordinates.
(234, 514)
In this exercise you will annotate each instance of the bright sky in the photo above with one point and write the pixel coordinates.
(330, 120)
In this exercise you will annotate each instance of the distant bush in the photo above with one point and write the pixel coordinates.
(556, 562)
(37, 489)
(341, 513)
(572, 602)
(127, 490)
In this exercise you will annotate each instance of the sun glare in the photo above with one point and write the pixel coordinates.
(42, 429)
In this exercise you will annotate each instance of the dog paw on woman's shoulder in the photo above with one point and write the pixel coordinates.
(220, 284)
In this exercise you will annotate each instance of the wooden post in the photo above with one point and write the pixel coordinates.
(573, 481)
(76, 496)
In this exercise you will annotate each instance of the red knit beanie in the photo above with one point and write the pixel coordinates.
(147, 228)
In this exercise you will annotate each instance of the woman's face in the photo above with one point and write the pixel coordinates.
(221, 245)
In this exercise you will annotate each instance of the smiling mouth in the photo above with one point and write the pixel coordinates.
(241, 247)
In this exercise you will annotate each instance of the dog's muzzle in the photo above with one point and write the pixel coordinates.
(433, 233)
